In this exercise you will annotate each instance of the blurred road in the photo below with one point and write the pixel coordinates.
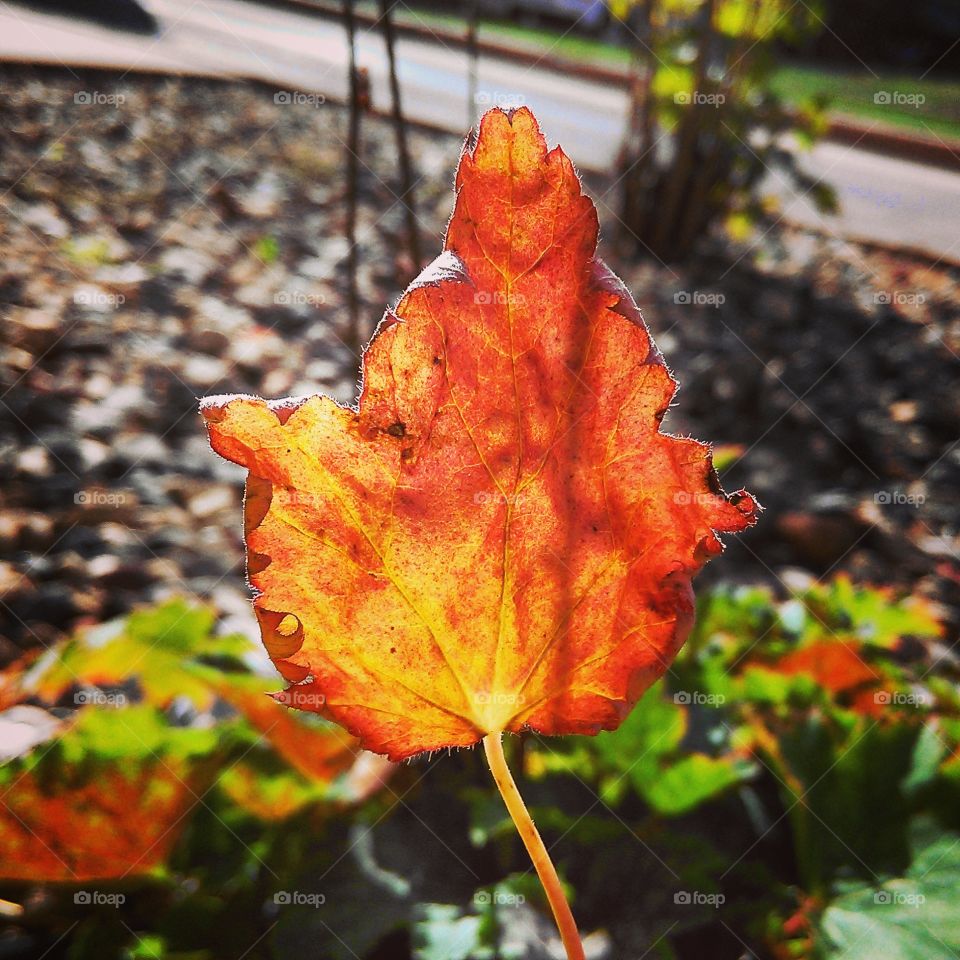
(884, 200)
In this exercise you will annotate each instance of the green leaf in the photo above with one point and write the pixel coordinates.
(914, 917)
(443, 932)
(633, 753)
(166, 649)
(692, 781)
(875, 616)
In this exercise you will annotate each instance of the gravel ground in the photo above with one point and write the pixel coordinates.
(166, 239)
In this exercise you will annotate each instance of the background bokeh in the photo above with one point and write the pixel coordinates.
(789, 790)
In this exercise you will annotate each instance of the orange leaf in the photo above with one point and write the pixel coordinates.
(318, 755)
(836, 666)
(119, 822)
(499, 537)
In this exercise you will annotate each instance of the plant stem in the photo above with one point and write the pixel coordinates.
(493, 745)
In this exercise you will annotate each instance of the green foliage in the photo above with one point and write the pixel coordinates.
(912, 917)
(748, 775)
(705, 82)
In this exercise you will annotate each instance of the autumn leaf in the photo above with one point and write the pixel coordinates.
(498, 537)
(316, 753)
(84, 830)
(101, 802)
(837, 666)
(323, 762)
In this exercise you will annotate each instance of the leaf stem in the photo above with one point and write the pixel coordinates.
(493, 746)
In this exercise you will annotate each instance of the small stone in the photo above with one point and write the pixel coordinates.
(11, 580)
(33, 330)
(93, 453)
(45, 218)
(903, 411)
(213, 500)
(191, 265)
(222, 316)
(211, 342)
(34, 461)
(103, 566)
(203, 372)
(142, 448)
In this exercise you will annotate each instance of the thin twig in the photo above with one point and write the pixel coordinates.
(473, 7)
(353, 176)
(400, 132)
